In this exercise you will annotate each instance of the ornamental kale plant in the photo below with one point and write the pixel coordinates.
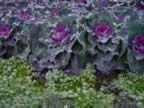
(73, 41)
(53, 48)
(106, 43)
(12, 43)
(135, 52)
(68, 34)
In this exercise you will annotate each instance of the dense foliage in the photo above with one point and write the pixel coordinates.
(59, 90)
(131, 87)
(69, 34)
(62, 53)
(79, 89)
(17, 89)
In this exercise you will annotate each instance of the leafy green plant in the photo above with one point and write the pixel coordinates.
(17, 90)
(132, 84)
(55, 101)
(80, 89)
(62, 82)
(93, 99)
(131, 88)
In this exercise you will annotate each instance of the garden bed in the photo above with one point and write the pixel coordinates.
(71, 54)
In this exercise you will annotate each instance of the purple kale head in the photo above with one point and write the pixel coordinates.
(103, 30)
(24, 16)
(138, 44)
(5, 31)
(140, 4)
(83, 1)
(60, 33)
(54, 11)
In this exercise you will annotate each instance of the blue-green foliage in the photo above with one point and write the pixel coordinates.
(89, 31)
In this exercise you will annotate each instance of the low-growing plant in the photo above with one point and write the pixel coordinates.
(93, 99)
(131, 89)
(80, 89)
(62, 82)
(60, 90)
(17, 90)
